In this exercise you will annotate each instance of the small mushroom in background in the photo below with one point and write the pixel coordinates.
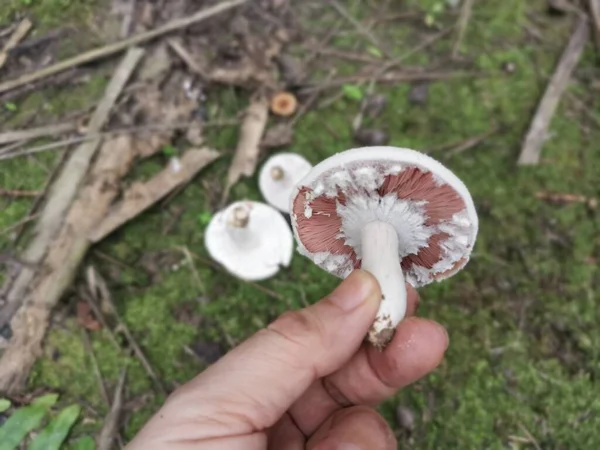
(284, 104)
(394, 212)
(279, 176)
(250, 239)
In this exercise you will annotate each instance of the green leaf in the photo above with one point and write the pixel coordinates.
(204, 218)
(352, 91)
(429, 20)
(85, 443)
(169, 150)
(10, 106)
(24, 420)
(4, 405)
(374, 51)
(53, 436)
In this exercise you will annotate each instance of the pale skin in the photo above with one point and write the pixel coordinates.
(307, 381)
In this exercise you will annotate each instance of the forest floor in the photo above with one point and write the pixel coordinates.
(524, 358)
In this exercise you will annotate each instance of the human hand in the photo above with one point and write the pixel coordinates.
(307, 381)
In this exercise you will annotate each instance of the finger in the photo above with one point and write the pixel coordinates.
(372, 376)
(251, 387)
(285, 435)
(412, 300)
(358, 427)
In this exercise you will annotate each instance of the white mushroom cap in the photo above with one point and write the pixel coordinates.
(278, 178)
(250, 239)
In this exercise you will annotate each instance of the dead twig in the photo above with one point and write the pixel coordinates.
(559, 198)
(185, 56)
(248, 148)
(463, 21)
(530, 437)
(19, 224)
(15, 193)
(90, 351)
(111, 422)
(34, 133)
(150, 128)
(64, 190)
(117, 47)
(534, 140)
(595, 13)
(456, 148)
(141, 196)
(121, 325)
(18, 35)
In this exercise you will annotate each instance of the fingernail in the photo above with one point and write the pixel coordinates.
(354, 290)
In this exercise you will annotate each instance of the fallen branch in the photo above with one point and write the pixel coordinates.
(141, 196)
(248, 148)
(538, 131)
(34, 133)
(109, 430)
(17, 36)
(456, 148)
(463, 21)
(65, 188)
(559, 198)
(117, 47)
(65, 254)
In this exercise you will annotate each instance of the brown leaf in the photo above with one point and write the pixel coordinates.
(85, 318)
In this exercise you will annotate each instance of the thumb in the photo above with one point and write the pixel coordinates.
(252, 386)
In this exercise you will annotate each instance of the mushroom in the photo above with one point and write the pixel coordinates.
(279, 176)
(250, 239)
(284, 104)
(394, 212)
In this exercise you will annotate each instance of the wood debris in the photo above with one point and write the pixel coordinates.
(463, 21)
(65, 188)
(538, 131)
(110, 428)
(563, 199)
(34, 133)
(140, 196)
(17, 36)
(15, 193)
(248, 148)
(595, 13)
(120, 46)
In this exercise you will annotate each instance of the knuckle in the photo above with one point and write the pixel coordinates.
(302, 328)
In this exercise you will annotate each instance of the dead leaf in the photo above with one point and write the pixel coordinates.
(85, 318)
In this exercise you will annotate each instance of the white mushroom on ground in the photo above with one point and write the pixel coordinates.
(251, 240)
(278, 178)
(394, 212)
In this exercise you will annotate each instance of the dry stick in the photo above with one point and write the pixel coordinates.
(65, 188)
(17, 36)
(111, 422)
(141, 196)
(595, 13)
(121, 325)
(117, 47)
(17, 193)
(20, 223)
(90, 351)
(91, 300)
(185, 56)
(463, 21)
(360, 27)
(34, 133)
(248, 148)
(114, 133)
(468, 143)
(532, 147)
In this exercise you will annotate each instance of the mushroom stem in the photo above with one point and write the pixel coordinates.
(379, 251)
(237, 227)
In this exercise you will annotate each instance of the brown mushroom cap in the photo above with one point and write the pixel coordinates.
(284, 104)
